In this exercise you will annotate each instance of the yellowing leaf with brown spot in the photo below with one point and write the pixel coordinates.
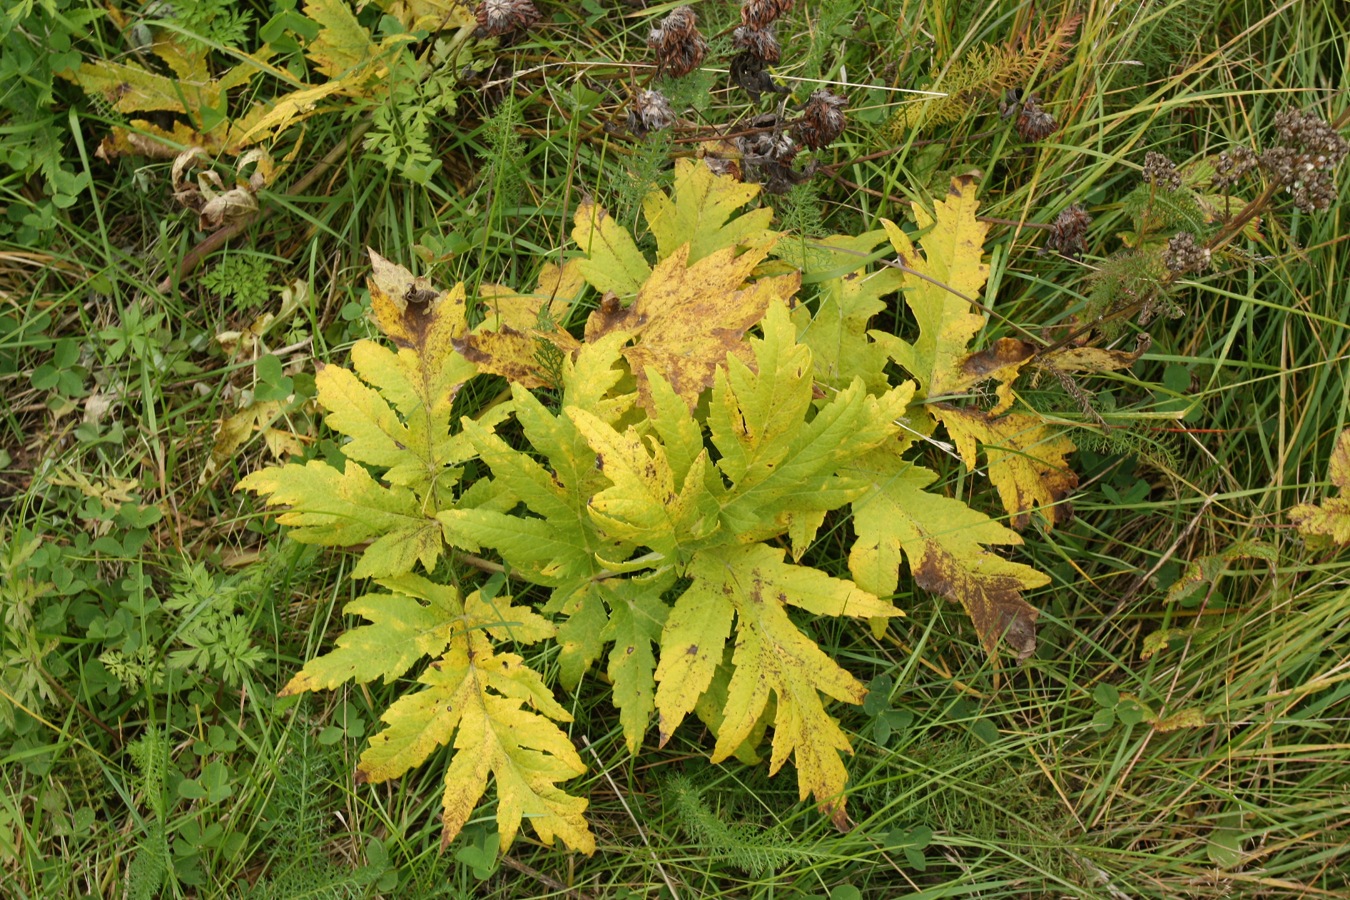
(772, 659)
(946, 543)
(517, 328)
(1093, 359)
(496, 710)
(687, 318)
(1026, 460)
(1331, 520)
(414, 315)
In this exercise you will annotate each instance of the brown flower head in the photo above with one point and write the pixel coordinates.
(679, 46)
(1034, 123)
(759, 14)
(1068, 231)
(760, 43)
(497, 17)
(651, 112)
(822, 119)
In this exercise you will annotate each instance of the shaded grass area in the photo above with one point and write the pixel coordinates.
(1153, 747)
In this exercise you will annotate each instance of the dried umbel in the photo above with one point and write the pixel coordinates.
(1232, 165)
(761, 43)
(1161, 171)
(1034, 123)
(1305, 161)
(822, 119)
(1068, 231)
(1184, 256)
(679, 46)
(760, 13)
(651, 112)
(497, 17)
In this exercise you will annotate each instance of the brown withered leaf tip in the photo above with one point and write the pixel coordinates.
(497, 17)
(994, 603)
(678, 45)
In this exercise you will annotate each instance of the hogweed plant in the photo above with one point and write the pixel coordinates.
(653, 485)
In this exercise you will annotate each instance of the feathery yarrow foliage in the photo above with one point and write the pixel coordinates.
(700, 428)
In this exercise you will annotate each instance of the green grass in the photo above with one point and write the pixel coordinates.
(993, 783)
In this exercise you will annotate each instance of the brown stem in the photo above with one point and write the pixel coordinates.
(216, 239)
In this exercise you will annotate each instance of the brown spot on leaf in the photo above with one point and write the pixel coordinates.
(1006, 353)
(993, 602)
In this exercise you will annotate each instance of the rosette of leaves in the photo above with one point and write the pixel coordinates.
(697, 431)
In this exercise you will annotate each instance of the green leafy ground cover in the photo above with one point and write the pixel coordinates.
(638, 500)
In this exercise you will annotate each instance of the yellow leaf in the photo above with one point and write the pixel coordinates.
(687, 318)
(342, 47)
(238, 429)
(1026, 460)
(951, 273)
(477, 697)
(1331, 520)
(272, 118)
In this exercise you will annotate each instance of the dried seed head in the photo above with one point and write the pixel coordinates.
(767, 155)
(1068, 231)
(651, 112)
(1306, 160)
(1183, 255)
(760, 43)
(1034, 123)
(679, 46)
(760, 13)
(822, 119)
(497, 17)
(1310, 134)
(1161, 171)
(1232, 165)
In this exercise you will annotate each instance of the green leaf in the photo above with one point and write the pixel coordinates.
(697, 213)
(613, 261)
(779, 465)
(772, 657)
(345, 507)
(637, 615)
(837, 332)
(402, 631)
